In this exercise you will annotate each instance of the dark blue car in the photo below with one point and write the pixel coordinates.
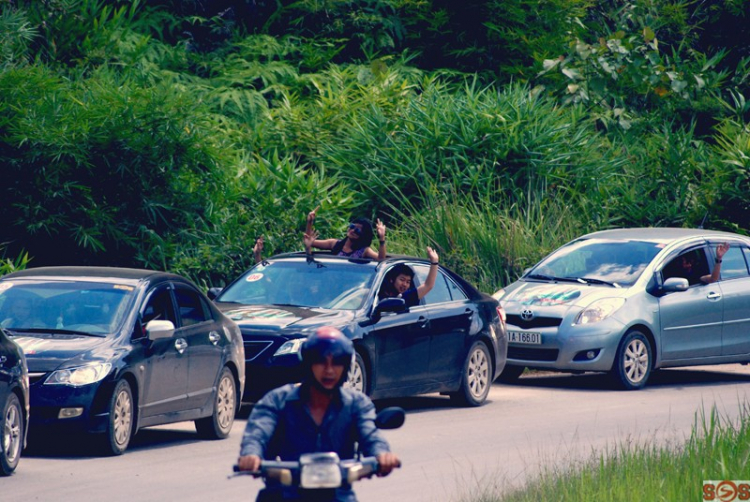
(14, 403)
(112, 350)
(452, 342)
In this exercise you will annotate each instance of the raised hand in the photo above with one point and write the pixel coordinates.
(380, 229)
(309, 238)
(432, 255)
(721, 249)
(311, 219)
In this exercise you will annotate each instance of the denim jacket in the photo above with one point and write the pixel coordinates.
(280, 425)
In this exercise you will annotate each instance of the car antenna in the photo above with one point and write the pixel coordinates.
(703, 220)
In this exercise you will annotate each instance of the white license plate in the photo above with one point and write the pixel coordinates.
(530, 337)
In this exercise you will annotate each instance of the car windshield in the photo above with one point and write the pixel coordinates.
(597, 261)
(341, 286)
(85, 307)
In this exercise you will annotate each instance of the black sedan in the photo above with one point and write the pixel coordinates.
(452, 342)
(14, 403)
(111, 350)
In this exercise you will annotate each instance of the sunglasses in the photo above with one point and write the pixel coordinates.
(356, 229)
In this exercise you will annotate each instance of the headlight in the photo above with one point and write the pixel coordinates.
(498, 295)
(599, 310)
(82, 375)
(290, 347)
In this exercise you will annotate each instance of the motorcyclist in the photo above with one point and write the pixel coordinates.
(318, 415)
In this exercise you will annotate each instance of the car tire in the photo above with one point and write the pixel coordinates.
(633, 362)
(511, 373)
(219, 424)
(11, 427)
(119, 428)
(476, 378)
(356, 379)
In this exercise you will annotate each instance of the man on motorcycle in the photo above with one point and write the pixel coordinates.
(318, 415)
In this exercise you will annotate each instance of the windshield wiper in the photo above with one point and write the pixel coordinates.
(591, 280)
(556, 279)
(55, 331)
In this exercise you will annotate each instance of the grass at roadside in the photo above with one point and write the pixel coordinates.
(717, 449)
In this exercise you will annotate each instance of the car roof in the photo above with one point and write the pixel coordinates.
(659, 234)
(130, 275)
(327, 255)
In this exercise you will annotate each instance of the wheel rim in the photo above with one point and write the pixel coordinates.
(356, 378)
(478, 373)
(12, 434)
(122, 417)
(635, 361)
(225, 403)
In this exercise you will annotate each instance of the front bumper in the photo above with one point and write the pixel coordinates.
(569, 347)
(47, 402)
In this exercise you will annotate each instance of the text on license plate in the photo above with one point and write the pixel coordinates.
(530, 337)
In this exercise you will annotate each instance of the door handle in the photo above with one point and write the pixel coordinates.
(712, 295)
(3, 359)
(180, 345)
(422, 322)
(214, 337)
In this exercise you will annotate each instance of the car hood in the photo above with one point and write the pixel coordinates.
(555, 296)
(47, 352)
(282, 318)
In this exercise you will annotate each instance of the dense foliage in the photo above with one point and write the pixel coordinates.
(171, 134)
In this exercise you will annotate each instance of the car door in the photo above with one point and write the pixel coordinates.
(735, 290)
(402, 345)
(205, 344)
(691, 320)
(450, 315)
(166, 360)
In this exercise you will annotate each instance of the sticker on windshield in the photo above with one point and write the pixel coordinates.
(5, 286)
(254, 277)
(122, 286)
(554, 295)
(255, 313)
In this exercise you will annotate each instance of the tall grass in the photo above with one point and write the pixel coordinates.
(718, 449)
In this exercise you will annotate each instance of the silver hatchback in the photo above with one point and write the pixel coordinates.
(629, 301)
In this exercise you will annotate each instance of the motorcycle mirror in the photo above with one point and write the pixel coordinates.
(390, 418)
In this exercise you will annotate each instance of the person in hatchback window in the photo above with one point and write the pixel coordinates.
(356, 243)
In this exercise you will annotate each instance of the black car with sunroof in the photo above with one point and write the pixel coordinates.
(453, 342)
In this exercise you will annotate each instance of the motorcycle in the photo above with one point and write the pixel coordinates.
(318, 475)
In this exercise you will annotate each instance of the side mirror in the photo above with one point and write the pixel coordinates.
(675, 284)
(390, 418)
(156, 330)
(395, 305)
(212, 293)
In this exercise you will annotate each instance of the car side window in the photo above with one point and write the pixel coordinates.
(456, 292)
(159, 307)
(191, 308)
(691, 265)
(733, 264)
(439, 293)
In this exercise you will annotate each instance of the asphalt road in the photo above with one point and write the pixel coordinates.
(449, 454)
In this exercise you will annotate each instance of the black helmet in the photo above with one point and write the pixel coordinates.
(328, 341)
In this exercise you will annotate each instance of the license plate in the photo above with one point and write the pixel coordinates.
(530, 337)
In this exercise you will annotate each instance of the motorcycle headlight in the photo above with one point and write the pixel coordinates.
(79, 376)
(599, 310)
(290, 347)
